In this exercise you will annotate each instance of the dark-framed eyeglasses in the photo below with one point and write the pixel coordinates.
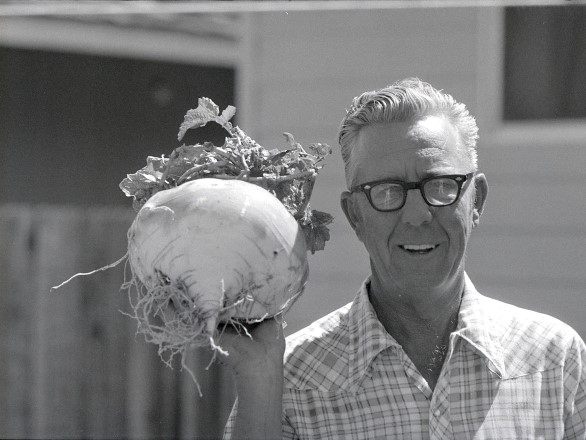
(390, 195)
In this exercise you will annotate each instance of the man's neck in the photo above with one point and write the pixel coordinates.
(420, 322)
(416, 308)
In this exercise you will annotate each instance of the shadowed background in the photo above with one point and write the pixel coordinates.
(85, 98)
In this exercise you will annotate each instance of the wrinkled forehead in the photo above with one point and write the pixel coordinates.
(453, 155)
(430, 135)
(400, 146)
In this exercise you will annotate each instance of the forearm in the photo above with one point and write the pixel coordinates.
(260, 406)
(257, 368)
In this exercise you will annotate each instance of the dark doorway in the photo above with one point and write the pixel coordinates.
(72, 126)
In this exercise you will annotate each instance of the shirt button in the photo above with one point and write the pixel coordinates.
(437, 413)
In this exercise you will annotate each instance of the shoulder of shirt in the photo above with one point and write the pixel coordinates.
(316, 357)
(529, 340)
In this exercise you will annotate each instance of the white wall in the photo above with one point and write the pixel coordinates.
(301, 70)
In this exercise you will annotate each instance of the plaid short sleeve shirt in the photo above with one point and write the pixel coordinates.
(509, 374)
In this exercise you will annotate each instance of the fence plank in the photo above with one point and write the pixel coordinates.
(16, 318)
(106, 331)
(213, 407)
(59, 360)
(152, 394)
(71, 365)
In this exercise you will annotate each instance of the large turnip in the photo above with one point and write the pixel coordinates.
(221, 234)
(213, 251)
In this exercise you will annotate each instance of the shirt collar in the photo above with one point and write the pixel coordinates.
(368, 337)
(478, 326)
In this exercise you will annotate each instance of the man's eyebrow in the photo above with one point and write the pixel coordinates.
(421, 176)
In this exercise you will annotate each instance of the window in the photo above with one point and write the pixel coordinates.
(73, 125)
(544, 63)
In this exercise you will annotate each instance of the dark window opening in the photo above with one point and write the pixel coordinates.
(545, 63)
(72, 126)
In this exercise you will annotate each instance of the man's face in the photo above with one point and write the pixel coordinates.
(411, 152)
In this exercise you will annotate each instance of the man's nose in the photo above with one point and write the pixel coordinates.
(415, 212)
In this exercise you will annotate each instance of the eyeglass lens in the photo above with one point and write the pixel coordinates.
(438, 191)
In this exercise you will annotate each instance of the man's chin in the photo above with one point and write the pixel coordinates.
(420, 281)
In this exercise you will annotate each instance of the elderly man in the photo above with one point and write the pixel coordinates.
(419, 353)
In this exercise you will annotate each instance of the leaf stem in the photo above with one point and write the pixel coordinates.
(196, 169)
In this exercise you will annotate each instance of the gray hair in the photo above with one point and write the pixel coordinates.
(405, 101)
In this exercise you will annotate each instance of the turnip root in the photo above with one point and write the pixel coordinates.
(212, 251)
(221, 235)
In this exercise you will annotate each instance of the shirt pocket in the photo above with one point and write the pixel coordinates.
(528, 406)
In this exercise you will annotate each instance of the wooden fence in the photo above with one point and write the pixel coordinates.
(71, 365)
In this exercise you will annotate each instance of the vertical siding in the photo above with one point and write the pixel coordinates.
(17, 336)
(71, 365)
(530, 247)
(306, 68)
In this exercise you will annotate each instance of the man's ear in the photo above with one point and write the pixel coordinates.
(481, 188)
(349, 208)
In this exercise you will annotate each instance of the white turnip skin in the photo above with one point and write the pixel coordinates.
(230, 248)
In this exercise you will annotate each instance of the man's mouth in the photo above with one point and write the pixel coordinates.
(418, 248)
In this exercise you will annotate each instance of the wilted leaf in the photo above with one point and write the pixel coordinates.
(205, 112)
(316, 237)
(321, 218)
(288, 174)
(226, 115)
(290, 140)
(320, 149)
(209, 106)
